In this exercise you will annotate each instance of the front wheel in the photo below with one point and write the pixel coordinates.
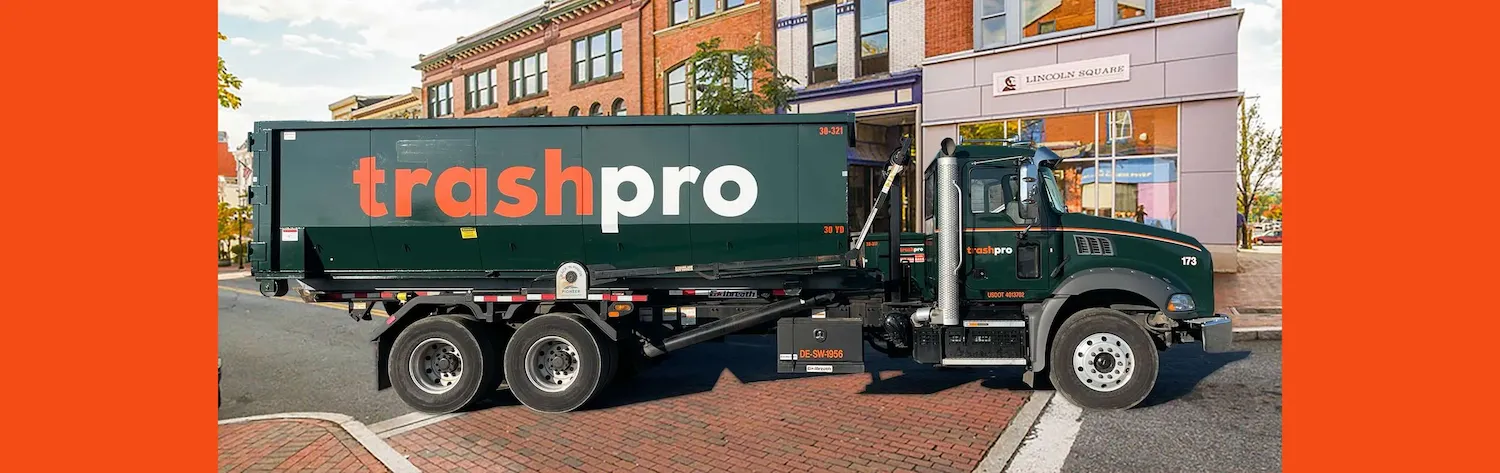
(1101, 359)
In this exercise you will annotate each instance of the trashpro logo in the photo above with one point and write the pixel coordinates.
(512, 181)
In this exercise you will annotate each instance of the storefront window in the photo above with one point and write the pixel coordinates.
(1040, 17)
(1116, 163)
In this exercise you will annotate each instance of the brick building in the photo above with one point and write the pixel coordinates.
(564, 57)
(677, 26)
(860, 56)
(1139, 96)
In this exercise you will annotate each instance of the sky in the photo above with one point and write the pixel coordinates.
(297, 56)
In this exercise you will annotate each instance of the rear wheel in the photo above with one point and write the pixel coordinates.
(556, 363)
(1101, 359)
(444, 363)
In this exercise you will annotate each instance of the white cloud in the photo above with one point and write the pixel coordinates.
(316, 45)
(1260, 56)
(252, 46)
(404, 28)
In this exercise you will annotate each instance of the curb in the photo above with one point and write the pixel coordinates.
(234, 275)
(366, 437)
(1257, 333)
(1005, 447)
(407, 422)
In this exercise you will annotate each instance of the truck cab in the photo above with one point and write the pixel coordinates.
(1012, 276)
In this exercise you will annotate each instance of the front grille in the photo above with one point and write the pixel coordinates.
(1093, 245)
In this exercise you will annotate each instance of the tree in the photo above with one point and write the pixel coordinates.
(715, 71)
(1259, 162)
(228, 83)
(226, 229)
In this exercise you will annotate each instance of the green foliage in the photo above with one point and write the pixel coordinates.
(235, 225)
(713, 72)
(1259, 163)
(228, 83)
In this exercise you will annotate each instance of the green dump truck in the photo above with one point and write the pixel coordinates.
(556, 255)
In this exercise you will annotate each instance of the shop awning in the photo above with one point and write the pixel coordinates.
(868, 154)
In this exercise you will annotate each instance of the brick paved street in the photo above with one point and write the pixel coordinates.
(681, 417)
(1257, 285)
(292, 445)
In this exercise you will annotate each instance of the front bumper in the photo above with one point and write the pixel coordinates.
(1216, 332)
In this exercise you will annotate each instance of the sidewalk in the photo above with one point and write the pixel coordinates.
(304, 442)
(1252, 297)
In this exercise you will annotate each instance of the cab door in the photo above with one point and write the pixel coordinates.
(1001, 266)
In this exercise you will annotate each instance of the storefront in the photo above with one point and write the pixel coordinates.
(1144, 115)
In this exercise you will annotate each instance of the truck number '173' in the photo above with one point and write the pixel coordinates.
(820, 354)
(1190, 261)
(522, 198)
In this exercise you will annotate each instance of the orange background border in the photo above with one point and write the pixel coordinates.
(1377, 91)
(109, 136)
(1386, 367)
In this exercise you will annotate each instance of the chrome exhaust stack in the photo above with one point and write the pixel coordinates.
(949, 234)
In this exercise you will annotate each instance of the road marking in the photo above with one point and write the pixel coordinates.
(1047, 445)
(375, 312)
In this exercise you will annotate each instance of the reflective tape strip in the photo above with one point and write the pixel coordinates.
(499, 298)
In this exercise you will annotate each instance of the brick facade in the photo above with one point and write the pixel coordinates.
(904, 25)
(555, 36)
(737, 27)
(1178, 7)
(950, 26)
(950, 23)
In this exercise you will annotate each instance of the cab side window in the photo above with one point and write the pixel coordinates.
(992, 192)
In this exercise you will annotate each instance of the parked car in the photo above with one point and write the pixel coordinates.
(1271, 237)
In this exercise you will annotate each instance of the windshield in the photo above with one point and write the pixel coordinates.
(1054, 193)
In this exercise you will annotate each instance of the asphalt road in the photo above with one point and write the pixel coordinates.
(289, 356)
(1209, 412)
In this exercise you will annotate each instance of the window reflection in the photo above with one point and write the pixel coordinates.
(1117, 163)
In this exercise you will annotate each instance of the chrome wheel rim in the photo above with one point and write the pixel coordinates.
(436, 366)
(1104, 362)
(552, 364)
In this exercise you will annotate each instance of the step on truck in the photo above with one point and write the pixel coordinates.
(554, 256)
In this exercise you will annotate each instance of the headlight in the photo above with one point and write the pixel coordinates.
(1180, 303)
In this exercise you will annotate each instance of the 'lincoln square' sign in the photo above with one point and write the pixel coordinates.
(1060, 76)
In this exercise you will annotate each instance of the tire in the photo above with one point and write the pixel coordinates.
(474, 378)
(583, 361)
(1091, 332)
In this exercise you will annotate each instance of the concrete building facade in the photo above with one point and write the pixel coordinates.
(1140, 96)
(374, 107)
(565, 57)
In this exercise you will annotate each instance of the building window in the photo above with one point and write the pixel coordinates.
(677, 91)
(1127, 9)
(598, 55)
(1039, 17)
(619, 108)
(573, 112)
(991, 23)
(1004, 22)
(479, 90)
(680, 97)
(825, 43)
(684, 11)
(1117, 164)
(874, 37)
(440, 100)
(528, 76)
(596, 110)
(681, 12)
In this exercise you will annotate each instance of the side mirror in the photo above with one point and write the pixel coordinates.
(1028, 193)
